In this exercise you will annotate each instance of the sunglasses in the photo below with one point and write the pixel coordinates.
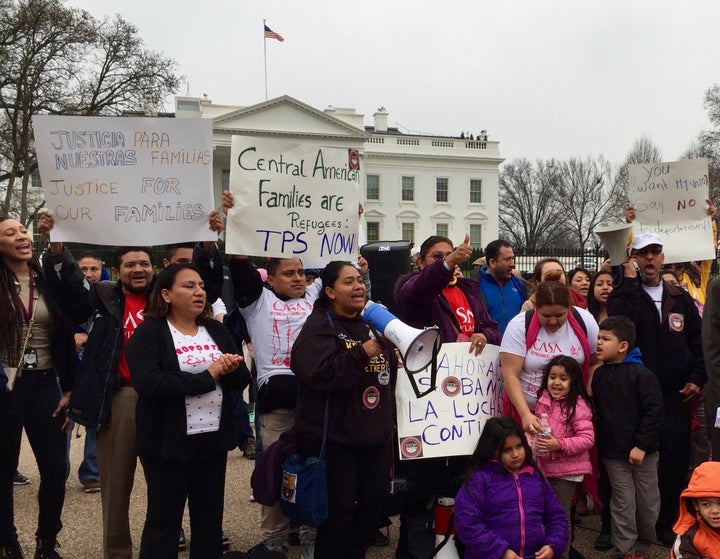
(652, 249)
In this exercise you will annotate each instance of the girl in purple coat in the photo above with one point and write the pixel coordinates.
(564, 456)
(506, 509)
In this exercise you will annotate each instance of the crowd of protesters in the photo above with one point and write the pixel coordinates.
(615, 360)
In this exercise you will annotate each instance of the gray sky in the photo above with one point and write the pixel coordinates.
(547, 78)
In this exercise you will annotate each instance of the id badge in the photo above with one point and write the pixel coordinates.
(30, 358)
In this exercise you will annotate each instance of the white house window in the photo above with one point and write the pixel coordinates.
(408, 232)
(225, 180)
(475, 191)
(475, 235)
(441, 190)
(441, 229)
(35, 179)
(372, 229)
(408, 191)
(372, 187)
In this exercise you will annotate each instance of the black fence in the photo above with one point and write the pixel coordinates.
(589, 259)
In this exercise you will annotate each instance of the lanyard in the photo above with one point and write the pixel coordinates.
(27, 312)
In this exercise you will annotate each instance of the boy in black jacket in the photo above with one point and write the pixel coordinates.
(630, 414)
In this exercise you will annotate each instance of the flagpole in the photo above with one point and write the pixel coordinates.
(265, 57)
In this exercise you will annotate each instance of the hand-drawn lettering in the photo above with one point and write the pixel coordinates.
(93, 159)
(160, 185)
(683, 204)
(154, 140)
(339, 243)
(61, 187)
(331, 172)
(286, 237)
(81, 139)
(332, 202)
(159, 212)
(63, 213)
(272, 199)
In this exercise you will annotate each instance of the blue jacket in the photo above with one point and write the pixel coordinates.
(496, 510)
(503, 301)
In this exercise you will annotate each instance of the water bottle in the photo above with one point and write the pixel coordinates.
(545, 433)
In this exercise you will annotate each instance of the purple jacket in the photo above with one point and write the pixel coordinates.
(498, 510)
(420, 303)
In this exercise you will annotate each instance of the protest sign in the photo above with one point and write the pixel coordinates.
(293, 200)
(126, 181)
(448, 421)
(669, 200)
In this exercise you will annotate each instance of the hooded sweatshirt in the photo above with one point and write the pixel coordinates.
(696, 538)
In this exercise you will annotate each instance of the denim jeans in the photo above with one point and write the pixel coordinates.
(88, 469)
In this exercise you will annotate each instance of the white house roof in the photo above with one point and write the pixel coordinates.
(285, 116)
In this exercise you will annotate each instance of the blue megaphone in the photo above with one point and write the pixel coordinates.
(418, 348)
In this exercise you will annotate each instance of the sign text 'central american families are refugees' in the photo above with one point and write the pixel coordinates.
(294, 200)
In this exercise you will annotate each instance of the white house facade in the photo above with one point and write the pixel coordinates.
(413, 186)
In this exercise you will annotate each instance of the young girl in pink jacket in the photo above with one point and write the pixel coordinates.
(564, 456)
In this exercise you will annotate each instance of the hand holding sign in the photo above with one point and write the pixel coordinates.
(45, 225)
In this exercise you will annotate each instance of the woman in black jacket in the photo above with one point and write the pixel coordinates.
(37, 351)
(182, 364)
(336, 361)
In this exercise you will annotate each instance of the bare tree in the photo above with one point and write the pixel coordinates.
(707, 143)
(528, 206)
(588, 196)
(60, 60)
(643, 150)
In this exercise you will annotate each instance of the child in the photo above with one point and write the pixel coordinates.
(564, 456)
(698, 527)
(629, 414)
(506, 509)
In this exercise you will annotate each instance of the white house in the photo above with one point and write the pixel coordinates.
(414, 185)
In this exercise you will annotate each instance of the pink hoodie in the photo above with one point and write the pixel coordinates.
(576, 439)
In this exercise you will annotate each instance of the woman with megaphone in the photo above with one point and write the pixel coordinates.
(433, 296)
(345, 373)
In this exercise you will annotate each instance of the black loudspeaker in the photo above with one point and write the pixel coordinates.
(388, 260)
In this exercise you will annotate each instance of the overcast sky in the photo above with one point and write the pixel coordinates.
(546, 78)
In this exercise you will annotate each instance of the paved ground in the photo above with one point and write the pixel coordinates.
(81, 537)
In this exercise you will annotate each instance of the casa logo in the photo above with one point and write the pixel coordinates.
(371, 397)
(451, 386)
(411, 447)
(676, 321)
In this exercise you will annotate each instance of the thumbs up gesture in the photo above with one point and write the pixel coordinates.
(461, 254)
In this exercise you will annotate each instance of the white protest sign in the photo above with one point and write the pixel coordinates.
(669, 200)
(126, 181)
(293, 200)
(449, 420)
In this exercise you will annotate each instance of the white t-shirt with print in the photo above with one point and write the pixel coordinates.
(546, 346)
(195, 354)
(274, 325)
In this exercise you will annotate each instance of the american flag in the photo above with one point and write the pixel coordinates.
(270, 34)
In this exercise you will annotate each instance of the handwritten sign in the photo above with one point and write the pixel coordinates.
(448, 422)
(293, 200)
(669, 200)
(126, 181)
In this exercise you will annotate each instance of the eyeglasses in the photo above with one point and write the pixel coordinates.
(652, 249)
